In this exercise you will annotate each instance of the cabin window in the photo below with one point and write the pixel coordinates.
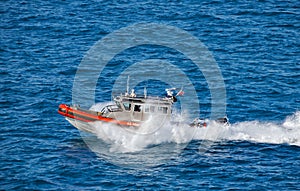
(127, 106)
(104, 110)
(147, 108)
(137, 108)
(118, 104)
(152, 109)
(163, 110)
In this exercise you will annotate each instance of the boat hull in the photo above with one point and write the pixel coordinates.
(82, 126)
(74, 114)
(81, 119)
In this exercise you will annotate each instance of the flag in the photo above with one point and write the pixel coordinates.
(180, 93)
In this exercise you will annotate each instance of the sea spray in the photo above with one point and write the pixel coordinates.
(155, 132)
(287, 132)
(129, 139)
(132, 148)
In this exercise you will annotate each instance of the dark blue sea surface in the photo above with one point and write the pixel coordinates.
(256, 45)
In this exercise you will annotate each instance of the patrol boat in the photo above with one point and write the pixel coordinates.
(128, 110)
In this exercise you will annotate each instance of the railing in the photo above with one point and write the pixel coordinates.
(111, 108)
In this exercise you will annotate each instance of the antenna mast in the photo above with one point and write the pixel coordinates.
(127, 86)
(145, 92)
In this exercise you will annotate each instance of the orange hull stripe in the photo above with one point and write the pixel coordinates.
(81, 115)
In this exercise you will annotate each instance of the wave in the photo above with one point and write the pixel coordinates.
(287, 132)
(153, 144)
(152, 133)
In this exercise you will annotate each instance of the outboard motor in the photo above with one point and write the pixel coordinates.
(223, 120)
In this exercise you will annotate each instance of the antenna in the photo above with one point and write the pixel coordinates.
(127, 86)
(145, 92)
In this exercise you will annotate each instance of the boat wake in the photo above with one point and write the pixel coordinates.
(131, 140)
(135, 147)
(287, 132)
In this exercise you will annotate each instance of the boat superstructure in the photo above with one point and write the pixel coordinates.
(128, 110)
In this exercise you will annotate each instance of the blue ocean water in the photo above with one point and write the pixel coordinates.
(256, 45)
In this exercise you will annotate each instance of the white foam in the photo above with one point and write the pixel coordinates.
(131, 140)
(287, 132)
